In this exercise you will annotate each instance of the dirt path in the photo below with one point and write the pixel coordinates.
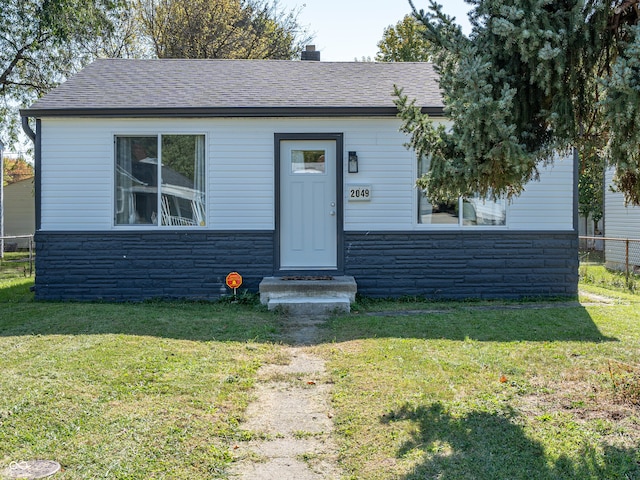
(290, 418)
(595, 299)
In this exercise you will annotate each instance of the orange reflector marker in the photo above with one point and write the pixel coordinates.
(234, 280)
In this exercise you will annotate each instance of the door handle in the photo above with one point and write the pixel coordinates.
(332, 213)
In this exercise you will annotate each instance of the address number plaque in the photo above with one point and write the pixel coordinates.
(359, 193)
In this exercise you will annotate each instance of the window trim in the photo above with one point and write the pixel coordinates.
(459, 225)
(114, 186)
(450, 227)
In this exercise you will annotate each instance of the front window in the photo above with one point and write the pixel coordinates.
(160, 180)
(461, 212)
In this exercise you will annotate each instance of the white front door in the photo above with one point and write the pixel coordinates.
(308, 205)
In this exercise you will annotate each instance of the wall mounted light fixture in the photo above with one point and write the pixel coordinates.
(353, 162)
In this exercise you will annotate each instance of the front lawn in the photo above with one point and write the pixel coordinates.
(128, 391)
(421, 390)
(488, 391)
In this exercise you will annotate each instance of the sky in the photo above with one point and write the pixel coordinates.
(345, 30)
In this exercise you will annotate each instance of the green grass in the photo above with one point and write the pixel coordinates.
(15, 278)
(453, 390)
(475, 391)
(598, 275)
(128, 391)
(15, 265)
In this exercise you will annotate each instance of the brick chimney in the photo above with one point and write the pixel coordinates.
(310, 54)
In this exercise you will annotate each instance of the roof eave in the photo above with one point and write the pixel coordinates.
(436, 111)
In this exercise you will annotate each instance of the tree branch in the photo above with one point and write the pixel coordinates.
(35, 86)
(17, 57)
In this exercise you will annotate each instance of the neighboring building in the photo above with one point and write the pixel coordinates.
(587, 227)
(271, 168)
(621, 222)
(19, 213)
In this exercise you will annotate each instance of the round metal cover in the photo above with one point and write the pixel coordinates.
(31, 469)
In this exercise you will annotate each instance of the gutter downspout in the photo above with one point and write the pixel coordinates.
(35, 138)
(27, 129)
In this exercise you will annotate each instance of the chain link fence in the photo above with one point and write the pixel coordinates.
(17, 256)
(617, 254)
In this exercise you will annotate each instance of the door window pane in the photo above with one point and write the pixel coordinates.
(307, 161)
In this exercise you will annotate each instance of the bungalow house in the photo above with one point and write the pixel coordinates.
(156, 178)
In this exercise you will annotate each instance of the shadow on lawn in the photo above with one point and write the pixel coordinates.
(482, 445)
(203, 321)
(495, 324)
(197, 321)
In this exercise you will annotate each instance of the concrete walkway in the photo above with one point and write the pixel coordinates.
(290, 417)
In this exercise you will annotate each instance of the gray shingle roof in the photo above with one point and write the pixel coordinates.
(124, 86)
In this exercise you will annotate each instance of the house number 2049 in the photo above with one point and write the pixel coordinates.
(359, 193)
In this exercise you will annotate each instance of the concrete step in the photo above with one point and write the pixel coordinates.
(300, 286)
(310, 305)
(308, 295)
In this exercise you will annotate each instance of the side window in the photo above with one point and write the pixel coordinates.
(480, 211)
(160, 180)
(460, 212)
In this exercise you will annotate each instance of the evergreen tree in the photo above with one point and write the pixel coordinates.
(533, 79)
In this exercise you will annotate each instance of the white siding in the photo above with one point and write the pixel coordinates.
(620, 221)
(78, 159)
(77, 175)
(386, 165)
(546, 204)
